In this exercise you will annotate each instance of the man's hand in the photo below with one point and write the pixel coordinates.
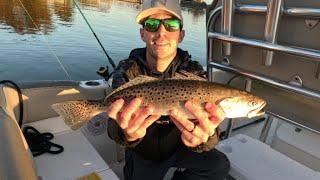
(133, 119)
(207, 120)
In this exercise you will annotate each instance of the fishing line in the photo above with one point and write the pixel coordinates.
(95, 35)
(46, 41)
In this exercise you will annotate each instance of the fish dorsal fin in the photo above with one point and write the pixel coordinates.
(138, 80)
(188, 76)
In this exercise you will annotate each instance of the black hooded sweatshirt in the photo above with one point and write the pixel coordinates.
(161, 140)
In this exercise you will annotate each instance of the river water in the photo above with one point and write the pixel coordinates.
(40, 38)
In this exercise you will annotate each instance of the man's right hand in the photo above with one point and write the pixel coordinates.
(132, 118)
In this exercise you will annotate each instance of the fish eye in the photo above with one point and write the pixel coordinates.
(252, 103)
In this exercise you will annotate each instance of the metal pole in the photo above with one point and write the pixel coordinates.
(211, 22)
(318, 71)
(229, 128)
(311, 53)
(227, 23)
(248, 84)
(271, 27)
(266, 128)
(303, 91)
(298, 12)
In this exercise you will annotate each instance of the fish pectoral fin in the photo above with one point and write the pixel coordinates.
(222, 106)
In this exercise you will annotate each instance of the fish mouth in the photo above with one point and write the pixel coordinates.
(257, 112)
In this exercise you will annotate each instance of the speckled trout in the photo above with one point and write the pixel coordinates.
(165, 95)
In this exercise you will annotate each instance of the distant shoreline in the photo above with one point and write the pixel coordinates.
(193, 4)
(133, 1)
(184, 3)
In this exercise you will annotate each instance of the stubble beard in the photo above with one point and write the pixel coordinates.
(159, 62)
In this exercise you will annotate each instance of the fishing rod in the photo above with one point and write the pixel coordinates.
(95, 35)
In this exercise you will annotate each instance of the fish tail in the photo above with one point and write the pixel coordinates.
(76, 113)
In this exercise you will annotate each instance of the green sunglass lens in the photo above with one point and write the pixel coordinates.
(152, 25)
(172, 24)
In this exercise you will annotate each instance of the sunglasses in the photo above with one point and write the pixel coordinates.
(171, 25)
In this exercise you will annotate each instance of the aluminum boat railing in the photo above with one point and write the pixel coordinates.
(273, 11)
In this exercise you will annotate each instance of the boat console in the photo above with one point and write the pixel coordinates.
(271, 49)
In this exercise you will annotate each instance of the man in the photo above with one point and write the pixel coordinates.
(156, 143)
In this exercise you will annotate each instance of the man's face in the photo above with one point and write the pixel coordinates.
(162, 43)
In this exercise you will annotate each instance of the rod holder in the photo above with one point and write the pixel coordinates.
(296, 81)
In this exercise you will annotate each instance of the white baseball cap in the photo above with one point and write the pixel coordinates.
(151, 7)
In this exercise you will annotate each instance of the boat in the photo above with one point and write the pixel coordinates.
(268, 48)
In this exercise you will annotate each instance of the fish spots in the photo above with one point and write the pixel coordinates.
(165, 93)
(149, 88)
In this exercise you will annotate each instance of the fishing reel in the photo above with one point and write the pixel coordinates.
(104, 72)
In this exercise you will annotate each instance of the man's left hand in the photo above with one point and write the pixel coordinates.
(196, 132)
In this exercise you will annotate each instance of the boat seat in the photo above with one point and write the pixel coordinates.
(78, 159)
(251, 159)
(299, 144)
(9, 101)
(16, 159)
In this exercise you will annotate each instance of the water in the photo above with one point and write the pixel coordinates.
(31, 48)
